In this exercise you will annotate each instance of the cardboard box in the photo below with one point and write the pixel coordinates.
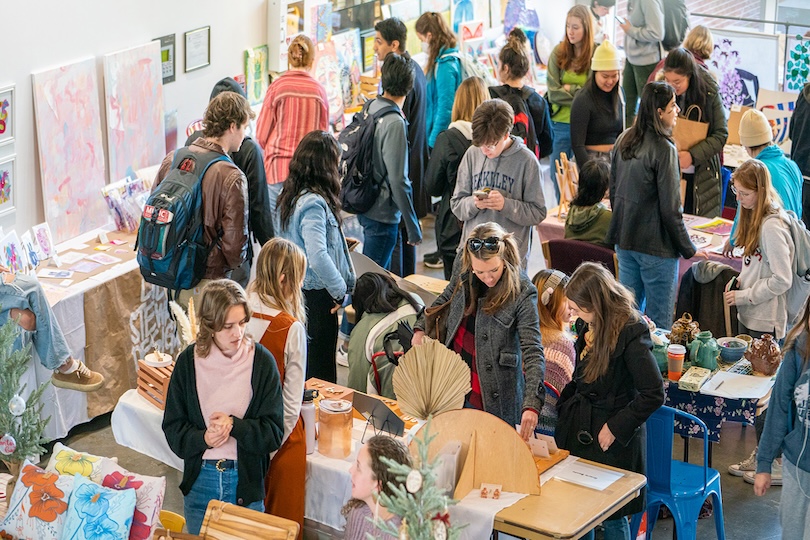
(734, 117)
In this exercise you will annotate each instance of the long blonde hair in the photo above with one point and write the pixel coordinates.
(596, 291)
(280, 258)
(508, 287)
(471, 93)
(754, 175)
(217, 298)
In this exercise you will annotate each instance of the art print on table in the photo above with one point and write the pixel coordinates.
(7, 113)
(12, 255)
(30, 249)
(8, 185)
(44, 240)
(256, 79)
(133, 91)
(71, 151)
(326, 70)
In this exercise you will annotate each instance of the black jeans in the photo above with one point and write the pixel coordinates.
(403, 260)
(322, 329)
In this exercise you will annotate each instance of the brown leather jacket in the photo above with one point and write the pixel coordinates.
(224, 192)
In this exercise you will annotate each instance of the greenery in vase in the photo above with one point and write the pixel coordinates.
(423, 510)
(27, 428)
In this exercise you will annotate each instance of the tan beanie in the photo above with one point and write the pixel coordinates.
(606, 58)
(755, 130)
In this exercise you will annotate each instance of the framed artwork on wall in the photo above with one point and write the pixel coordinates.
(7, 115)
(256, 80)
(8, 185)
(198, 48)
(167, 57)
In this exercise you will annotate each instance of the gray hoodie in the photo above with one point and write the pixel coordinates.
(516, 174)
(642, 42)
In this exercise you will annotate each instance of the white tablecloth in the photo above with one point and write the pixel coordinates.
(136, 424)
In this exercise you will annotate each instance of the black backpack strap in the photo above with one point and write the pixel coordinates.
(388, 109)
(458, 141)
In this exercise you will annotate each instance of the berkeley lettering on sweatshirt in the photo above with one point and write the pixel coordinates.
(494, 180)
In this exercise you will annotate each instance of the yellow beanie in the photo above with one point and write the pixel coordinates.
(606, 58)
(755, 130)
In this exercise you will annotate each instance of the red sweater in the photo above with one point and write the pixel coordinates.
(294, 105)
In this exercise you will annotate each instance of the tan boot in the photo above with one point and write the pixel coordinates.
(81, 380)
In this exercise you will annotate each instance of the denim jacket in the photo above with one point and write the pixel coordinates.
(315, 229)
(25, 292)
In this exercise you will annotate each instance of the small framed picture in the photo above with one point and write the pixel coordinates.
(8, 185)
(167, 57)
(198, 48)
(7, 115)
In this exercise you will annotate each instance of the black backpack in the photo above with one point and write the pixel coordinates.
(172, 252)
(676, 23)
(358, 189)
(523, 126)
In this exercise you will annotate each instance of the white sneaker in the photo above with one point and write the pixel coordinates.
(776, 474)
(342, 356)
(749, 464)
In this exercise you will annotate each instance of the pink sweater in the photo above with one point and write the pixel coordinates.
(294, 105)
(223, 385)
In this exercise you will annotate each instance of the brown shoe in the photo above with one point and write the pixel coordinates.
(81, 380)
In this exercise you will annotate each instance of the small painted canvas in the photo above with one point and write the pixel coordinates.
(44, 240)
(320, 29)
(256, 73)
(12, 255)
(7, 114)
(347, 46)
(71, 151)
(30, 249)
(326, 69)
(471, 30)
(133, 89)
(8, 185)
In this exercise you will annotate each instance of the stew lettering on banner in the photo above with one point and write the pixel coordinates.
(150, 324)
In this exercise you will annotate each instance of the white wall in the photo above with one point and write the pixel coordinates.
(43, 34)
(552, 18)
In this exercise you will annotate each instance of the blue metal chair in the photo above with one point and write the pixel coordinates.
(681, 487)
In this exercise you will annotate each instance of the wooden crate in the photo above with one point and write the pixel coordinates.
(153, 383)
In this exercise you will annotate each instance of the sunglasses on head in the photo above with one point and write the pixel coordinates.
(489, 244)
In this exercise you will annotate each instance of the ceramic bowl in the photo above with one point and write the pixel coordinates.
(731, 349)
(746, 338)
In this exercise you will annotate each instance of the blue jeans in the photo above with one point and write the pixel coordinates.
(212, 485)
(274, 190)
(25, 292)
(653, 280)
(562, 143)
(379, 240)
(615, 529)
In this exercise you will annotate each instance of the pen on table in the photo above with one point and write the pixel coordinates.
(719, 385)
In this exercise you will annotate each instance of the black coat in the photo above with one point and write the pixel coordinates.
(800, 153)
(414, 111)
(623, 398)
(440, 181)
(250, 160)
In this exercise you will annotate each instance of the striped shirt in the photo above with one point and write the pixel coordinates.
(294, 105)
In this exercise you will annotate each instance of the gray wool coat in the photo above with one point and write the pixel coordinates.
(508, 352)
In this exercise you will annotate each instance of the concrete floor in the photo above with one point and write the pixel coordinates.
(747, 517)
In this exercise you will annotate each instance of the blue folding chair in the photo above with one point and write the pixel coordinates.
(681, 487)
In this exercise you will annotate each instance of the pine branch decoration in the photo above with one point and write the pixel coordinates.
(423, 510)
(28, 428)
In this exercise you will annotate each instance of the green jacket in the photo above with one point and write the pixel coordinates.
(560, 98)
(588, 223)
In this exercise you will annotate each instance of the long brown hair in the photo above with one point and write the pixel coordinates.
(596, 291)
(217, 298)
(508, 287)
(382, 446)
(280, 257)
(514, 55)
(753, 175)
(440, 36)
(567, 57)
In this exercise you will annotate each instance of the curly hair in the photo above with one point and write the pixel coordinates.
(223, 111)
(382, 446)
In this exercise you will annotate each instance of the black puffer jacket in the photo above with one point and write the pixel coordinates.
(706, 153)
(440, 181)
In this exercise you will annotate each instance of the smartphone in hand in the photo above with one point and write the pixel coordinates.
(620, 19)
(482, 193)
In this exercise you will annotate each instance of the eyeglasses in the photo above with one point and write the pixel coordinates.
(735, 192)
(490, 147)
(489, 244)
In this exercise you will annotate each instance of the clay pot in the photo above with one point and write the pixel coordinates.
(764, 355)
(684, 330)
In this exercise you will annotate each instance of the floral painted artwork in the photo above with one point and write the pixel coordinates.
(98, 513)
(71, 151)
(8, 185)
(38, 505)
(797, 70)
(326, 70)
(44, 240)
(7, 115)
(726, 59)
(256, 80)
(12, 254)
(133, 90)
